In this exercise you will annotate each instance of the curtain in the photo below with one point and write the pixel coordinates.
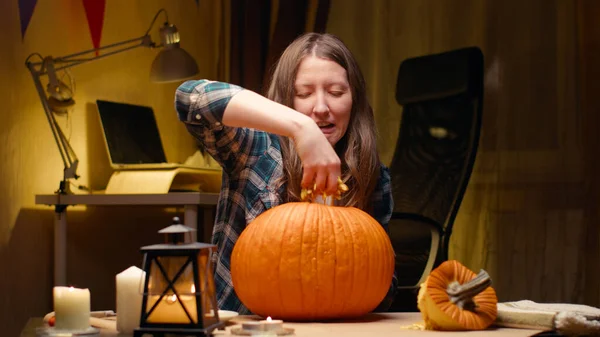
(262, 29)
(530, 213)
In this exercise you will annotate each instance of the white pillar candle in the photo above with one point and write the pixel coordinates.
(72, 308)
(129, 299)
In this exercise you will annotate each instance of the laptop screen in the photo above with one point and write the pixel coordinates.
(131, 133)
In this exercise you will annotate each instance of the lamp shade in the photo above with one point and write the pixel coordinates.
(172, 63)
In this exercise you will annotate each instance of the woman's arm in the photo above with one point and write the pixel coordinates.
(223, 118)
(200, 105)
(320, 163)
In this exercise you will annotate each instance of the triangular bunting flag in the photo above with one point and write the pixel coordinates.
(94, 10)
(25, 13)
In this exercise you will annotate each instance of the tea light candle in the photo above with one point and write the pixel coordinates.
(272, 324)
(71, 308)
(129, 299)
(263, 325)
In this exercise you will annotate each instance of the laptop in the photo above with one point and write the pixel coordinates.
(132, 138)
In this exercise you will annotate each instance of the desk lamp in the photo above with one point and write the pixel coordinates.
(171, 64)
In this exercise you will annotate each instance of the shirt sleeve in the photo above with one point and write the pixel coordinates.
(200, 105)
(383, 206)
(383, 203)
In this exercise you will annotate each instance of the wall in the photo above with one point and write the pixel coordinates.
(102, 240)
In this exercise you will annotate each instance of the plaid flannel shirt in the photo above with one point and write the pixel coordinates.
(252, 166)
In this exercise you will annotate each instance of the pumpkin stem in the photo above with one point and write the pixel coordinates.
(462, 295)
(308, 194)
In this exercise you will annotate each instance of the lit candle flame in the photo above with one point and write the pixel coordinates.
(193, 289)
(171, 299)
(269, 319)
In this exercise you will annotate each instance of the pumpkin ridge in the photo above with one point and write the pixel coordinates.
(345, 257)
(284, 223)
(358, 299)
(309, 250)
(263, 261)
(362, 221)
(314, 230)
(350, 242)
(326, 295)
(333, 294)
(277, 230)
(295, 224)
(301, 256)
(318, 257)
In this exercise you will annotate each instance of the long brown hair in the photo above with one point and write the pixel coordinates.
(357, 149)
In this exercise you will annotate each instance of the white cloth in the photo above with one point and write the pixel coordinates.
(568, 319)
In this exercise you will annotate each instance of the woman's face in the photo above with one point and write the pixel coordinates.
(323, 93)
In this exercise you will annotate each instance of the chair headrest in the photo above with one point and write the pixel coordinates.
(438, 76)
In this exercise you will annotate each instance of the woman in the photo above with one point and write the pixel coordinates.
(314, 126)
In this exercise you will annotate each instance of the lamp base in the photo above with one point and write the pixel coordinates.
(64, 187)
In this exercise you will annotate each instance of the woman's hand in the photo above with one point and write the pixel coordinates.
(321, 165)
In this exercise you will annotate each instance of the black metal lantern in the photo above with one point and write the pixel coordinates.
(179, 293)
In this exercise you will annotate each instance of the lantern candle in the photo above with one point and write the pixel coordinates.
(169, 310)
(72, 308)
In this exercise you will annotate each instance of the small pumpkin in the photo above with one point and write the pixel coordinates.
(455, 298)
(307, 261)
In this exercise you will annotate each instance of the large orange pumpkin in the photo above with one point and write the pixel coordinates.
(454, 298)
(308, 261)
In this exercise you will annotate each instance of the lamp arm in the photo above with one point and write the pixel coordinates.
(47, 67)
(67, 154)
(72, 60)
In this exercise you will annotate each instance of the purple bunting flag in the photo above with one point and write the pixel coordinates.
(25, 13)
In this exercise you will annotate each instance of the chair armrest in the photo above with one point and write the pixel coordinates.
(436, 234)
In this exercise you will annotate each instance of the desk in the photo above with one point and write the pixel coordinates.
(391, 324)
(190, 200)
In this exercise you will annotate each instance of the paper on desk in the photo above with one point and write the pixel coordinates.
(569, 319)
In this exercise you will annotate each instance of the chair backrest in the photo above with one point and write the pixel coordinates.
(442, 99)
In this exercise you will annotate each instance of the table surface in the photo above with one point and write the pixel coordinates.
(380, 325)
(175, 198)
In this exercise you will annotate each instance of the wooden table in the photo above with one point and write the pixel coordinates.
(376, 325)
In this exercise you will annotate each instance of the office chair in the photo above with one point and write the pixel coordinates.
(442, 99)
